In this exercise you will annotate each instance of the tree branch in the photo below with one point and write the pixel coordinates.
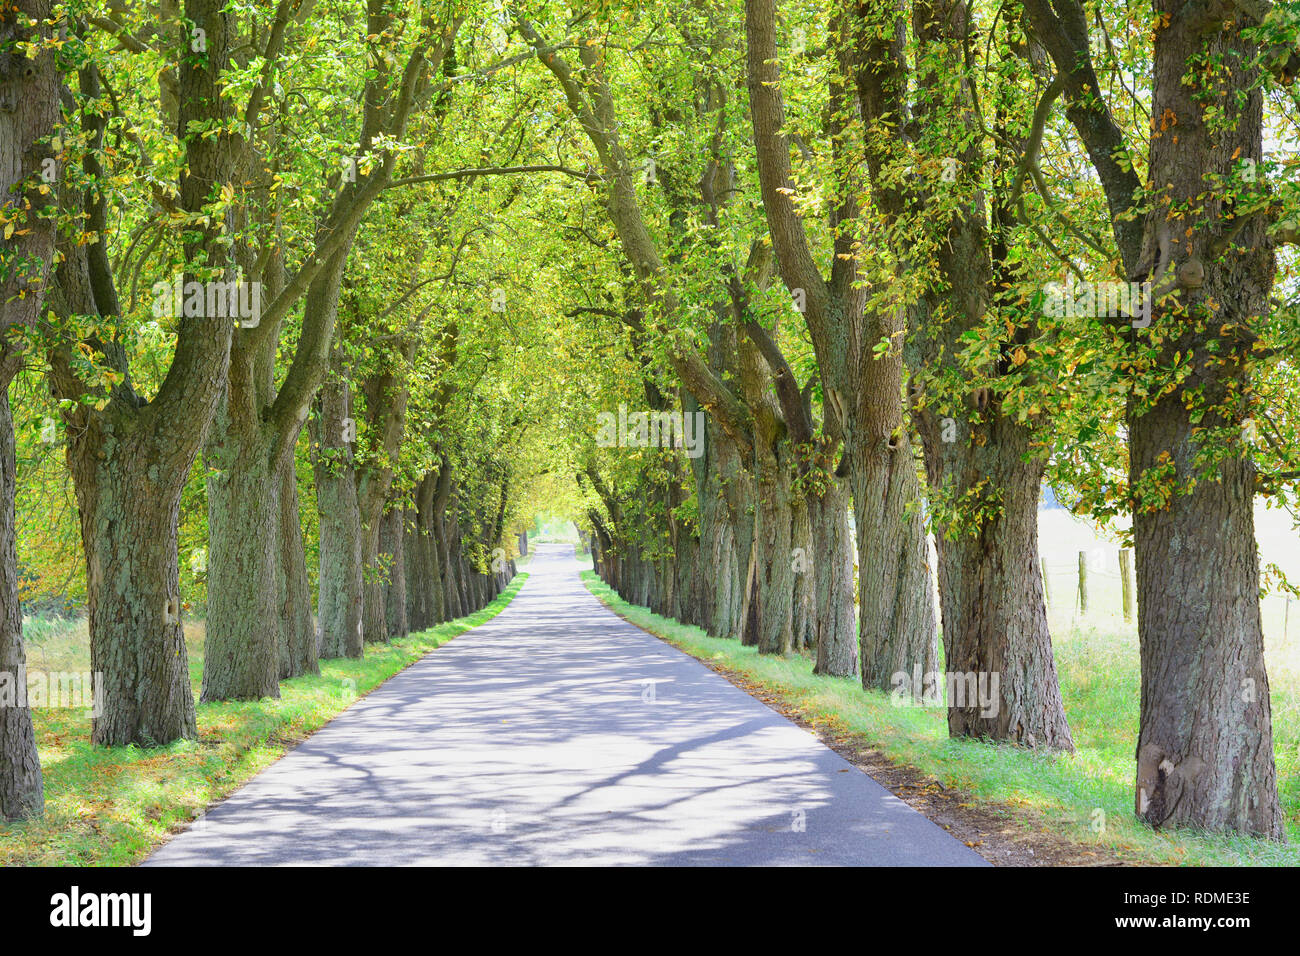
(767, 108)
(1065, 37)
(587, 177)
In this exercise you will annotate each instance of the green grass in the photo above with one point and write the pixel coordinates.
(112, 805)
(40, 629)
(1100, 684)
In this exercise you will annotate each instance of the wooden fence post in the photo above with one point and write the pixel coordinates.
(1083, 582)
(1126, 581)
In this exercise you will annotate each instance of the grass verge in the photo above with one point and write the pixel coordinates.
(1085, 798)
(112, 805)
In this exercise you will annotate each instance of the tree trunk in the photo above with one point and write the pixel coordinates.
(340, 526)
(137, 641)
(31, 87)
(994, 616)
(297, 625)
(597, 564)
(242, 648)
(430, 555)
(456, 597)
(991, 589)
(260, 626)
(740, 496)
(774, 571)
(804, 626)
(1205, 748)
(1205, 745)
(392, 547)
(604, 560)
(374, 616)
(459, 574)
(386, 398)
(712, 606)
(721, 556)
(750, 615)
(130, 458)
(832, 567)
(895, 598)
(418, 586)
(442, 530)
(22, 792)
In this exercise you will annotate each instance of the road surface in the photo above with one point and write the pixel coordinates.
(559, 734)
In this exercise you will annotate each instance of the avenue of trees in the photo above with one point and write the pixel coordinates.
(907, 261)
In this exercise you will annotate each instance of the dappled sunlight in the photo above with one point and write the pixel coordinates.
(557, 733)
(110, 805)
(1099, 683)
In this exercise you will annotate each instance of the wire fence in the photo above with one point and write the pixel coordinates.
(1102, 580)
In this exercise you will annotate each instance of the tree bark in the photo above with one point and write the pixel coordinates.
(773, 554)
(740, 496)
(129, 532)
(244, 628)
(1205, 747)
(297, 625)
(374, 615)
(22, 791)
(991, 589)
(392, 548)
(445, 530)
(832, 565)
(418, 586)
(340, 594)
(804, 621)
(30, 111)
(386, 397)
(709, 564)
(895, 597)
(249, 447)
(1205, 744)
(432, 548)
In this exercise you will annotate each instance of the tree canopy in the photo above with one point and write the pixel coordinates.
(317, 304)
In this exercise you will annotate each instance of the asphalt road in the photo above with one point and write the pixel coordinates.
(559, 734)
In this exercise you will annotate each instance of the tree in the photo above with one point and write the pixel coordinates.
(29, 86)
(1202, 231)
(749, 415)
(130, 456)
(984, 482)
(257, 430)
(860, 358)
